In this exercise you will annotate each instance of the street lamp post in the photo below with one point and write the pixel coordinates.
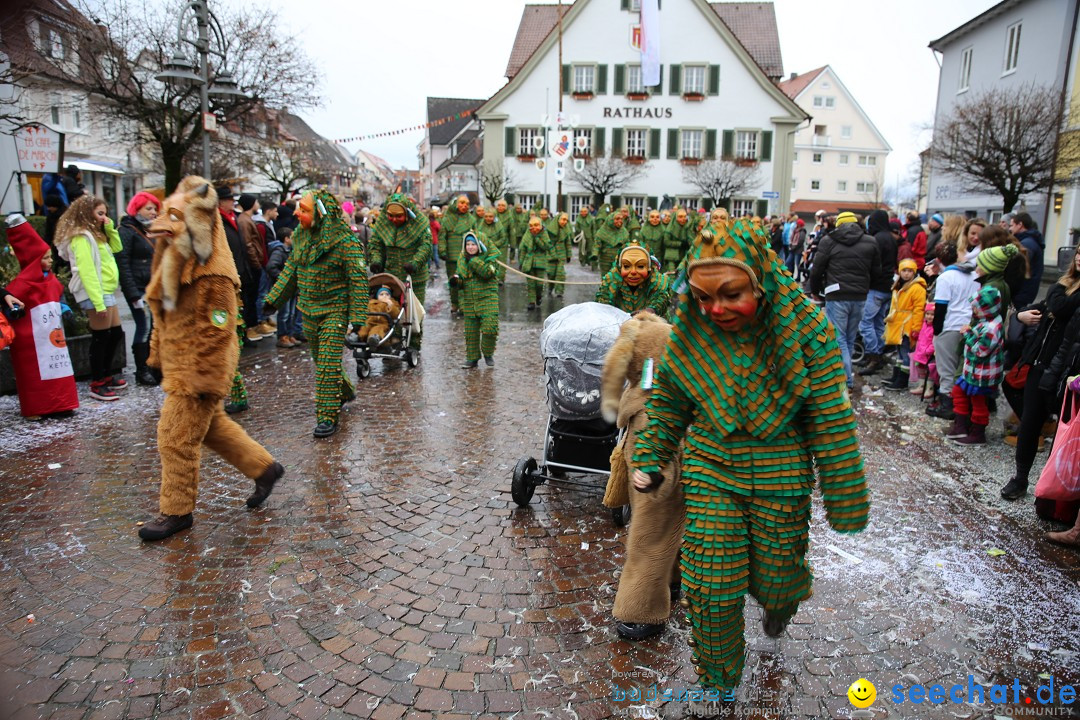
(180, 70)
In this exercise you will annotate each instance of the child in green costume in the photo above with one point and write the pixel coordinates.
(479, 286)
(456, 221)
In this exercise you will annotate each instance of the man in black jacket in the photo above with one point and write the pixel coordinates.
(847, 264)
(227, 208)
(933, 237)
(872, 327)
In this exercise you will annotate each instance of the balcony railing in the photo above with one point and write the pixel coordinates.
(822, 140)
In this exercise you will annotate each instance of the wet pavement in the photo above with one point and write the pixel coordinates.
(390, 574)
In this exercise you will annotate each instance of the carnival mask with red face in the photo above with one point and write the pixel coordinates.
(726, 295)
(654, 218)
(564, 220)
(680, 217)
(618, 220)
(535, 226)
(395, 213)
(634, 266)
(305, 211)
(463, 205)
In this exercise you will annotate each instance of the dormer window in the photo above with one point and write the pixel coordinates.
(55, 45)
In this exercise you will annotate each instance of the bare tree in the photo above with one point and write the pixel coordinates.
(603, 176)
(11, 113)
(1007, 140)
(131, 42)
(289, 166)
(496, 180)
(719, 180)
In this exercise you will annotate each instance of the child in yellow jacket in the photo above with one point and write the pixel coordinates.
(904, 321)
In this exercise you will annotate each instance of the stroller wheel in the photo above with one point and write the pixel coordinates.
(363, 368)
(412, 357)
(522, 485)
(621, 516)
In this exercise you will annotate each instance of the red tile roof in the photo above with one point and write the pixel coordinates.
(793, 86)
(833, 208)
(537, 21)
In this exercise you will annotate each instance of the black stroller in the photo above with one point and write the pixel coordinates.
(574, 343)
(394, 345)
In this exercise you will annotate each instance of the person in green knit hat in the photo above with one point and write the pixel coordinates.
(559, 253)
(751, 387)
(400, 244)
(497, 236)
(584, 234)
(456, 221)
(327, 273)
(635, 284)
(652, 234)
(479, 285)
(533, 259)
(611, 237)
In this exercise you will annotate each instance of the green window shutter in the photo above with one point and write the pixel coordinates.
(658, 89)
(567, 79)
(598, 143)
(675, 81)
(710, 144)
(726, 204)
(624, 4)
(509, 199)
(714, 79)
(653, 202)
(562, 203)
(673, 144)
(728, 149)
(620, 79)
(707, 203)
(601, 79)
(510, 142)
(762, 208)
(617, 142)
(654, 143)
(616, 201)
(766, 145)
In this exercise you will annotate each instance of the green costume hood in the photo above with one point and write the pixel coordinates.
(386, 233)
(328, 229)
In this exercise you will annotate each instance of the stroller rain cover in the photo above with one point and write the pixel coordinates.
(574, 343)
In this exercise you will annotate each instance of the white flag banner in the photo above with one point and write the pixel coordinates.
(650, 43)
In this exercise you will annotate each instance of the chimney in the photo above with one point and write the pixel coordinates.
(793, 76)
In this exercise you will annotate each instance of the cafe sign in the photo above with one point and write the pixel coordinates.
(40, 149)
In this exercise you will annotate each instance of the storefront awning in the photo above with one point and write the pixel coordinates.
(92, 166)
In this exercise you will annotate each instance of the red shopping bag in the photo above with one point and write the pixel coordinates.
(1060, 478)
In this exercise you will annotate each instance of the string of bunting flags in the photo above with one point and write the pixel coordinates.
(441, 121)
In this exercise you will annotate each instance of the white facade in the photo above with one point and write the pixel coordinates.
(840, 155)
(738, 105)
(1015, 43)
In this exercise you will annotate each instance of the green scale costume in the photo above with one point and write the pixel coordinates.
(519, 223)
(653, 294)
(454, 226)
(497, 235)
(584, 234)
(327, 273)
(651, 238)
(675, 243)
(609, 241)
(480, 299)
(559, 253)
(392, 248)
(755, 412)
(532, 260)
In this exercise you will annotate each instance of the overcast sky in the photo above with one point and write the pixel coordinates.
(380, 59)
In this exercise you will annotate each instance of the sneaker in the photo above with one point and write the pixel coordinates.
(252, 336)
(116, 382)
(1014, 489)
(285, 342)
(164, 526)
(470, 364)
(325, 429)
(101, 391)
(301, 338)
(271, 322)
(265, 329)
(489, 361)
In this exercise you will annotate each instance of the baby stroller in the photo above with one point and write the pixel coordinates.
(394, 345)
(574, 343)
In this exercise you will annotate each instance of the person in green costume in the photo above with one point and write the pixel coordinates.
(559, 231)
(532, 259)
(327, 273)
(584, 233)
(676, 241)
(497, 236)
(651, 236)
(751, 388)
(400, 244)
(611, 237)
(479, 284)
(635, 284)
(456, 221)
(631, 221)
(505, 217)
(520, 223)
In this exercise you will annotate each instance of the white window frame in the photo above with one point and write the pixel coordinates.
(995, 217)
(868, 161)
(965, 69)
(576, 203)
(841, 186)
(815, 189)
(795, 156)
(843, 158)
(636, 202)
(1012, 47)
(56, 110)
(865, 188)
(687, 203)
(703, 70)
(747, 144)
(817, 158)
(794, 184)
(633, 88)
(56, 44)
(528, 201)
(819, 101)
(688, 134)
(527, 148)
(830, 102)
(634, 6)
(578, 84)
(741, 207)
(642, 136)
(587, 150)
(845, 132)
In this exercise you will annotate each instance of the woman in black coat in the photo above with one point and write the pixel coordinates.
(134, 263)
(1055, 332)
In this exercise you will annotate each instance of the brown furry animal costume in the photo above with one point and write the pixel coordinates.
(652, 548)
(192, 295)
(377, 325)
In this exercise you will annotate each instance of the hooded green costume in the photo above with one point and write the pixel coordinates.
(404, 250)
(653, 294)
(454, 226)
(559, 253)
(675, 243)
(479, 298)
(326, 272)
(755, 411)
(532, 260)
(609, 241)
(651, 238)
(584, 233)
(497, 235)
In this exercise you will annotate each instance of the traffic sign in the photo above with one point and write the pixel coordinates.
(770, 195)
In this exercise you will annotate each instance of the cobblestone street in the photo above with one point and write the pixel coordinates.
(391, 575)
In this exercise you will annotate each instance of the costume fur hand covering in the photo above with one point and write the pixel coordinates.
(192, 294)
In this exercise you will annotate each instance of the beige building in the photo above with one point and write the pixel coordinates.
(839, 159)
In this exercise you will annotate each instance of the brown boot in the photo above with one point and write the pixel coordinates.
(976, 436)
(1070, 537)
(264, 484)
(164, 526)
(961, 424)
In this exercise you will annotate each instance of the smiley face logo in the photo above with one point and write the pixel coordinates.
(862, 693)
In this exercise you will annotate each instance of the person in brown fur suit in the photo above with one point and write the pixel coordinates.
(192, 295)
(650, 576)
